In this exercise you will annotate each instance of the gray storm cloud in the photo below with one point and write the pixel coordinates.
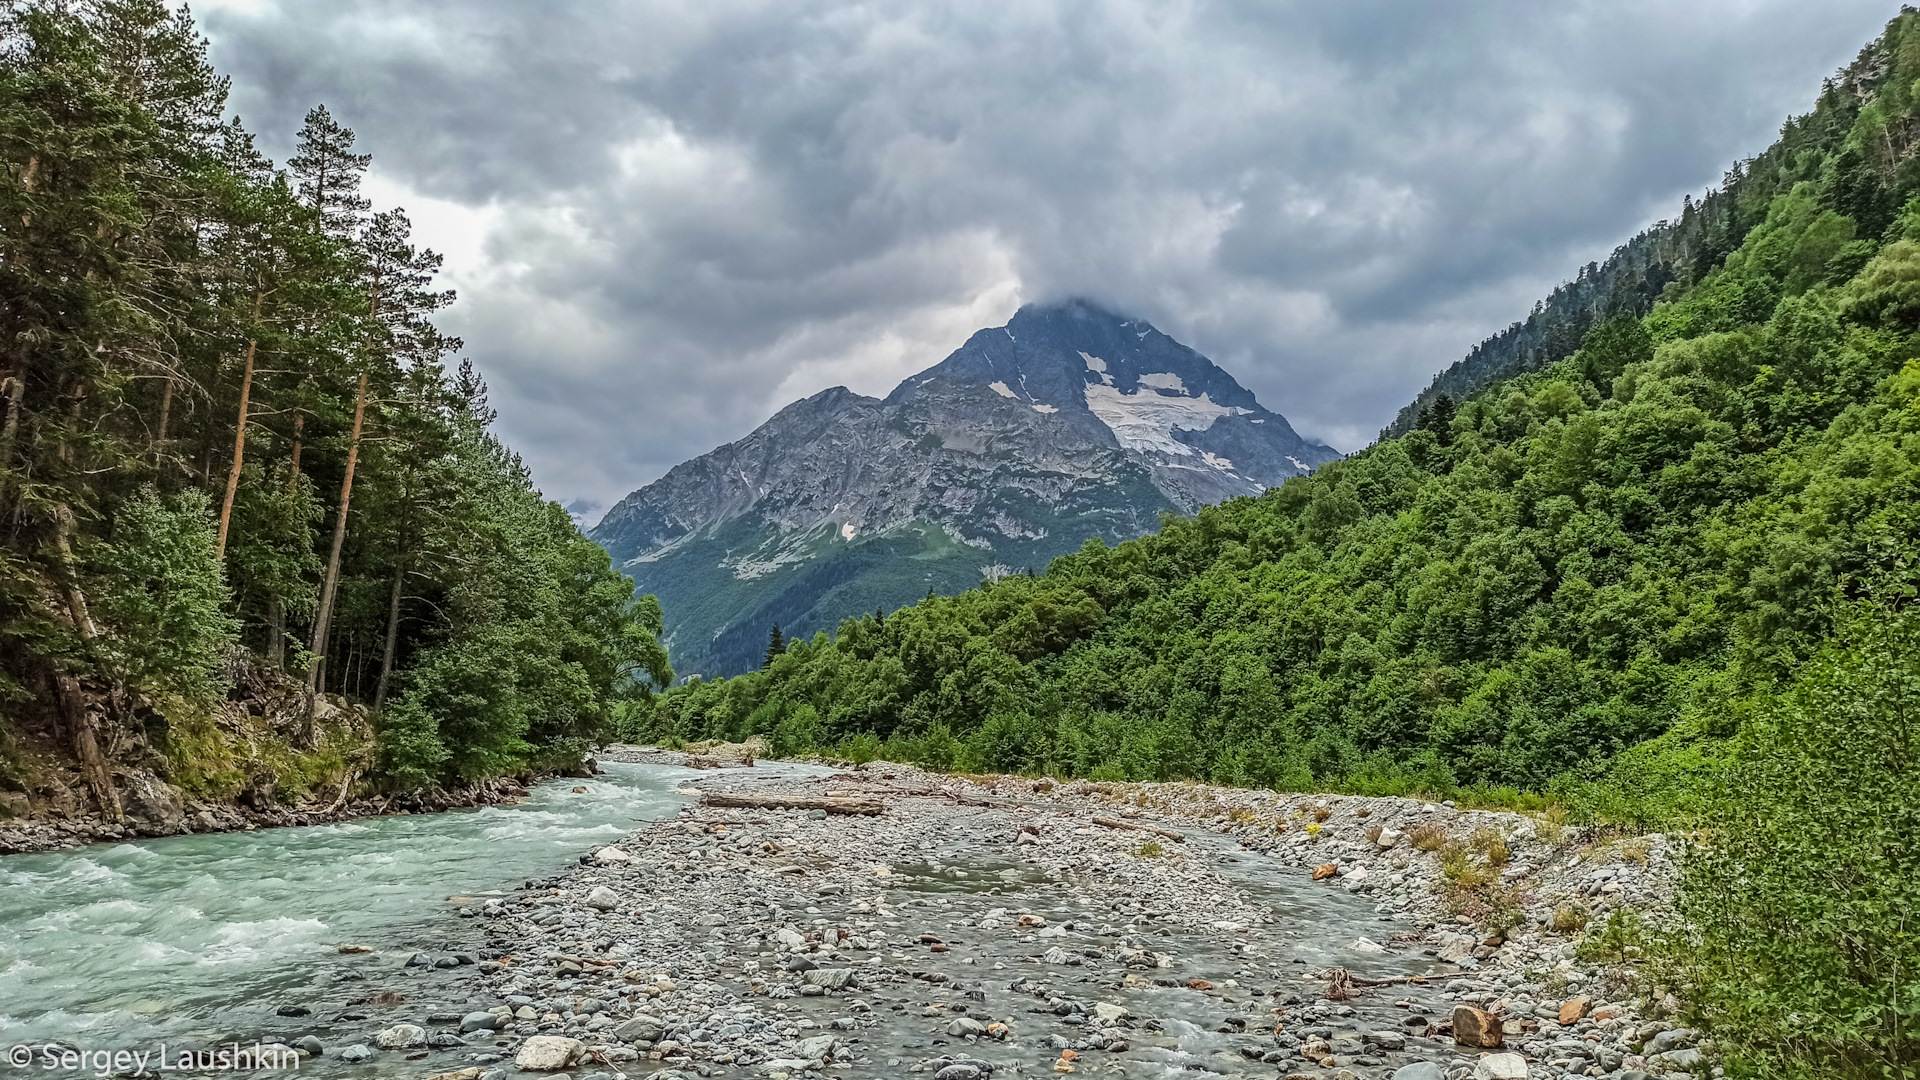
(667, 219)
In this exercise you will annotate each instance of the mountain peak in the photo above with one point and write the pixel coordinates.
(1072, 421)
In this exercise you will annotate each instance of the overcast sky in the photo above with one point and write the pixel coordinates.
(668, 218)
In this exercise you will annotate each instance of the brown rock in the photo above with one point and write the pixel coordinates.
(1475, 1027)
(1323, 872)
(1199, 984)
(1574, 1010)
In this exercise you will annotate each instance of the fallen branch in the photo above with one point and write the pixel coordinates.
(868, 807)
(345, 786)
(1116, 823)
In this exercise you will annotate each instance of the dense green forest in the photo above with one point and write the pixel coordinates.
(239, 484)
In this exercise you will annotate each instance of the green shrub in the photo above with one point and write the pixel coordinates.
(1800, 934)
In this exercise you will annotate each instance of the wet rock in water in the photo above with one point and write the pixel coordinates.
(294, 1010)
(1501, 1067)
(1476, 1027)
(964, 1026)
(445, 1040)
(1107, 1012)
(959, 1070)
(545, 1053)
(400, 1037)
(1420, 1070)
(603, 899)
(447, 962)
(310, 1045)
(458, 1074)
(478, 1021)
(1392, 1041)
(419, 959)
(356, 1053)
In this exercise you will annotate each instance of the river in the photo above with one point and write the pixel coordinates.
(195, 940)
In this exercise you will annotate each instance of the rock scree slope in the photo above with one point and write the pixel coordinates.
(1068, 423)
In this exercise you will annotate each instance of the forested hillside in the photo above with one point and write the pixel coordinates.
(1572, 562)
(254, 533)
(1866, 183)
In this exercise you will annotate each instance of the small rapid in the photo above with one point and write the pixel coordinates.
(197, 939)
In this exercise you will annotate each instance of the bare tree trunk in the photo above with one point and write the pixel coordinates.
(239, 439)
(16, 387)
(393, 637)
(166, 414)
(84, 729)
(293, 474)
(81, 724)
(277, 635)
(323, 619)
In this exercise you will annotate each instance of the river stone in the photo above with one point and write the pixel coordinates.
(1501, 1067)
(828, 978)
(1421, 1070)
(959, 1070)
(547, 1052)
(401, 1037)
(1387, 1040)
(356, 1053)
(458, 1074)
(1108, 1012)
(641, 1029)
(310, 1045)
(611, 855)
(603, 899)
(818, 1048)
(1681, 1059)
(964, 1026)
(478, 1021)
(1475, 1027)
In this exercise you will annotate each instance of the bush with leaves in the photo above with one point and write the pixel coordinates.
(1802, 909)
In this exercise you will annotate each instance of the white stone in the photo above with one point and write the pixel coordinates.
(401, 1037)
(603, 899)
(547, 1052)
(611, 855)
(1501, 1067)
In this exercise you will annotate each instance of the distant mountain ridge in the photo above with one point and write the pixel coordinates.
(1070, 422)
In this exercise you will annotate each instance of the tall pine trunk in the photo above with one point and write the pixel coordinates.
(393, 634)
(323, 619)
(239, 438)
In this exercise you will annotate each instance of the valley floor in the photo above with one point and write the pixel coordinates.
(998, 926)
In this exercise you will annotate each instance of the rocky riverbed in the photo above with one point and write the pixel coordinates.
(1004, 926)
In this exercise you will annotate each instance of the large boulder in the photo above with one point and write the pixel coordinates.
(1476, 1027)
(546, 1053)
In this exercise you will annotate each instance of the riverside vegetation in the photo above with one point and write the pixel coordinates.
(256, 540)
(1663, 579)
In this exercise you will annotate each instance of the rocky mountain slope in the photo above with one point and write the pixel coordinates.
(1068, 423)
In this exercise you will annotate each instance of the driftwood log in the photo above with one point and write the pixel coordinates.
(1116, 823)
(832, 805)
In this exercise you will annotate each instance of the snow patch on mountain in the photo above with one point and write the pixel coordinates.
(1146, 419)
(1002, 389)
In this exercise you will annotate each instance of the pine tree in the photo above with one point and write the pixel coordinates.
(329, 173)
(775, 646)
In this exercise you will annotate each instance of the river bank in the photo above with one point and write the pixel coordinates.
(975, 928)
